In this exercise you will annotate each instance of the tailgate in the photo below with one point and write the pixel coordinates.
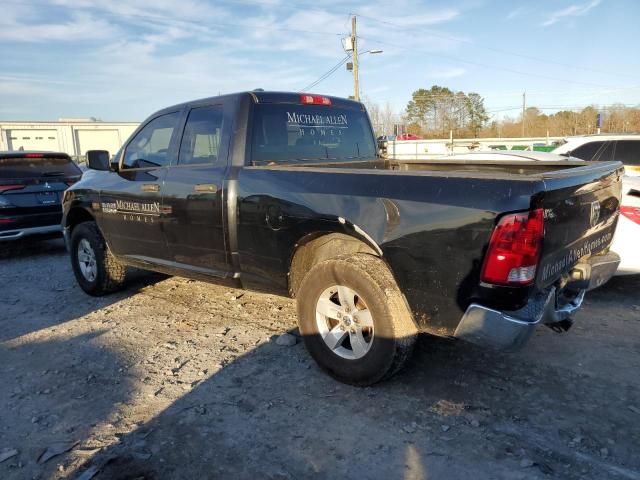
(581, 208)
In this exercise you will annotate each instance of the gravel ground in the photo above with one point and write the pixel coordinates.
(174, 378)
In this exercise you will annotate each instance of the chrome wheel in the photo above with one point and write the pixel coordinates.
(87, 260)
(344, 322)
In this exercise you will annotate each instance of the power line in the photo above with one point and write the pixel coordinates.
(327, 74)
(566, 107)
(491, 67)
(498, 50)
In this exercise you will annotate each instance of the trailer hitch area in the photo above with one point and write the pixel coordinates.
(559, 314)
(561, 326)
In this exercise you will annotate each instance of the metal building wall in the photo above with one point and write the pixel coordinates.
(74, 138)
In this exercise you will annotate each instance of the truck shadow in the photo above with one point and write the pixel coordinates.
(48, 303)
(59, 389)
(32, 247)
(456, 411)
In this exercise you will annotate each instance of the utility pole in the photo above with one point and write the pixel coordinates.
(524, 107)
(354, 45)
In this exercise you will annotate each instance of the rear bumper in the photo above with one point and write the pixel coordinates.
(511, 330)
(10, 235)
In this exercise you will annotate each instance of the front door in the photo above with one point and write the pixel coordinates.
(193, 196)
(131, 203)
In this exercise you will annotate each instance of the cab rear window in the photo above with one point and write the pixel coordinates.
(35, 167)
(308, 133)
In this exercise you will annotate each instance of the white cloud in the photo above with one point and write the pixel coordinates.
(79, 26)
(151, 53)
(571, 11)
(23, 89)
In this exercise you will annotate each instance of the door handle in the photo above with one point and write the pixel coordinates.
(206, 188)
(150, 187)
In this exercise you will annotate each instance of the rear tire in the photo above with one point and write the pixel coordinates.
(96, 269)
(354, 320)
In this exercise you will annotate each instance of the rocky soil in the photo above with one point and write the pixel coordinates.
(177, 379)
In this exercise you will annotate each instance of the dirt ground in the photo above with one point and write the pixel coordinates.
(177, 379)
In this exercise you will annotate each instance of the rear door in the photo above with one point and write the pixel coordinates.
(131, 199)
(193, 196)
(581, 208)
(31, 188)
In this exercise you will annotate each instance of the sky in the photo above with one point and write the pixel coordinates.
(122, 60)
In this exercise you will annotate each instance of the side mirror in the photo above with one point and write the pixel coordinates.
(98, 160)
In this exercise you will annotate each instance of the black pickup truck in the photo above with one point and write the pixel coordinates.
(285, 193)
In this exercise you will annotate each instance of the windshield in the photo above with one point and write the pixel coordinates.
(35, 167)
(288, 133)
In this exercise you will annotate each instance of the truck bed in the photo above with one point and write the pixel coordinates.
(435, 216)
(507, 168)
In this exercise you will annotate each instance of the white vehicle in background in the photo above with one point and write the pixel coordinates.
(625, 148)
(627, 238)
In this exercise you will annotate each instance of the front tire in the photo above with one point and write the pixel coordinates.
(96, 269)
(354, 320)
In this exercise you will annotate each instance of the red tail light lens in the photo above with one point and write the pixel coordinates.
(314, 100)
(4, 188)
(514, 249)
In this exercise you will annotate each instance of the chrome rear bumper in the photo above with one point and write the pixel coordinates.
(511, 330)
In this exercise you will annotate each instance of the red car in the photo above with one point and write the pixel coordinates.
(408, 136)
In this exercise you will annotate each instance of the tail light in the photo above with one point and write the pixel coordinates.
(514, 249)
(5, 188)
(314, 100)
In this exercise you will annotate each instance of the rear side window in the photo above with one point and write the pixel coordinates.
(587, 151)
(628, 152)
(35, 167)
(307, 133)
(201, 139)
(150, 147)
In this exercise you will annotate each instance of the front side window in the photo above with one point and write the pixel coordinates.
(308, 133)
(150, 147)
(628, 152)
(201, 139)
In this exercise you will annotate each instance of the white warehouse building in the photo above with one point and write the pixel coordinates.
(72, 136)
